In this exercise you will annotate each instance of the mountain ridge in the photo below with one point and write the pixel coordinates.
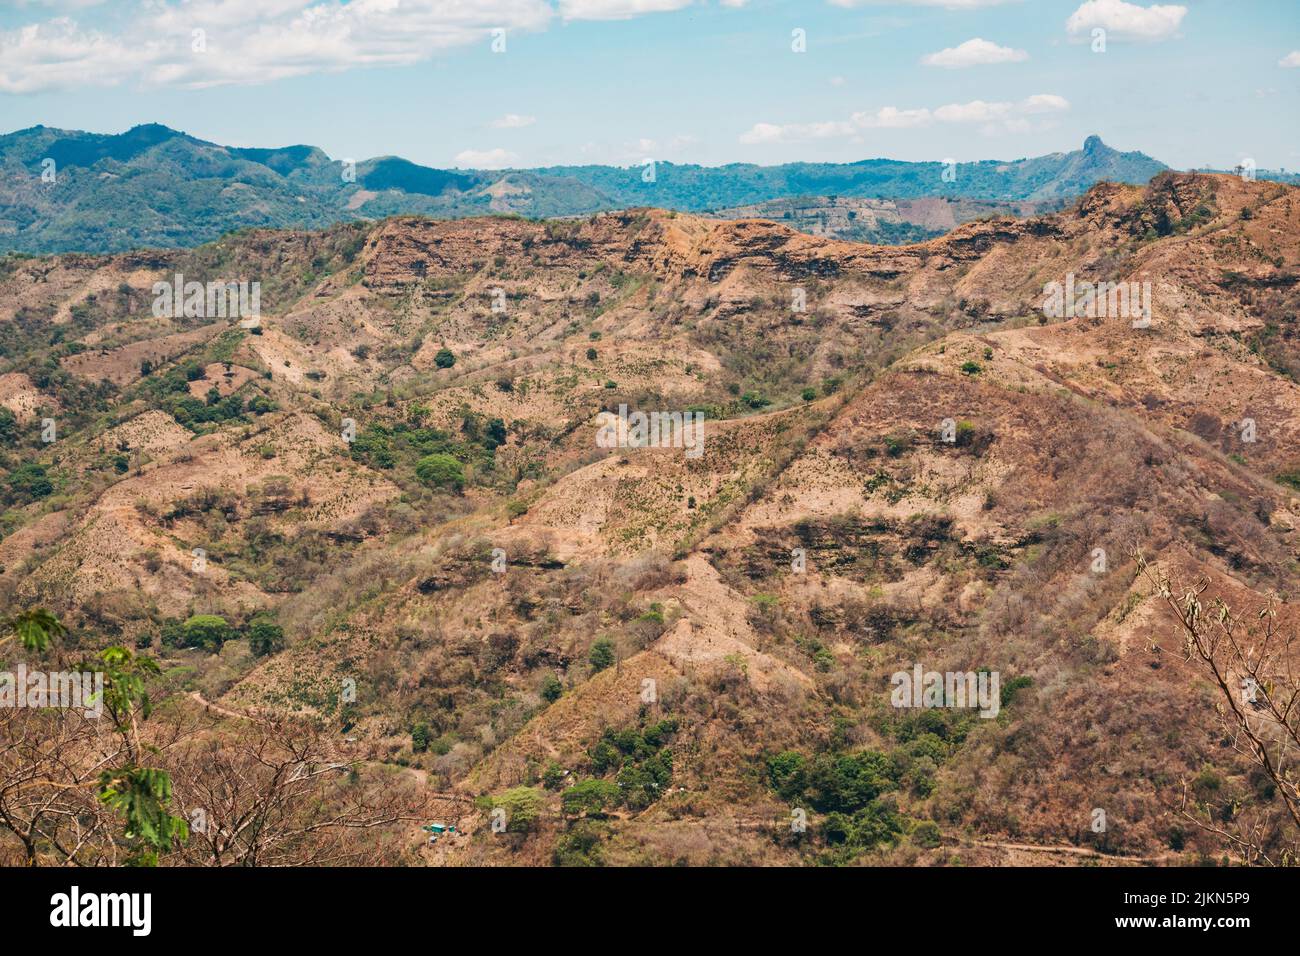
(153, 186)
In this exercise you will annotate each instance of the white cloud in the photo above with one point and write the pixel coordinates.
(253, 41)
(1044, 103)
(1126, 21)
(1291, 60)
(890, 117)
(486, 158)
(947, 4)
(617, 9)
(796, 132)
(513, 121)
(57, 54)
(976, 111)
(65, 4)
(765, 133)
(976, 52)
(258, 41)
(212, 13)
(1011, 117)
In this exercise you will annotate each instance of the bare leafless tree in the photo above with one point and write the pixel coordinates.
(276, 792)
(1251, 660)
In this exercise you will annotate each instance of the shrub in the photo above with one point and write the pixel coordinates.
(29, 482)
(552, 689)
(445, 358)
(1009, 689)
(8, 426)
(926, 834)
(786, 772)
(1291, 478)
(895, 445)
(971, 368)
(172, 633)
(579, 847)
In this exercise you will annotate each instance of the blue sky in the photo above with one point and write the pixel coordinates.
(1203, 82)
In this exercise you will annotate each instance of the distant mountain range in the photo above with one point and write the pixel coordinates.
(155, 186)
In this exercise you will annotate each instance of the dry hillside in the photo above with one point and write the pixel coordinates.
(905, 461)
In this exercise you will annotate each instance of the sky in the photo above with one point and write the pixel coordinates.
(519, 83)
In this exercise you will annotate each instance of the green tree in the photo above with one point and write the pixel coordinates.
(848, 782)
(265, 637)
(495, 434)
(208, 631)
(34, 628)
(641, 784)
(522, 805)
(445, 358)
(601, 654)
(787, 773)
(552, 776)
(440, 471)
(420, 738)
(590, 797)
(142, 795)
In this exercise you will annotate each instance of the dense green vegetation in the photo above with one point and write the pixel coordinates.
(170, 391)
(640, 760)
(431, 456)
(210, 632)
